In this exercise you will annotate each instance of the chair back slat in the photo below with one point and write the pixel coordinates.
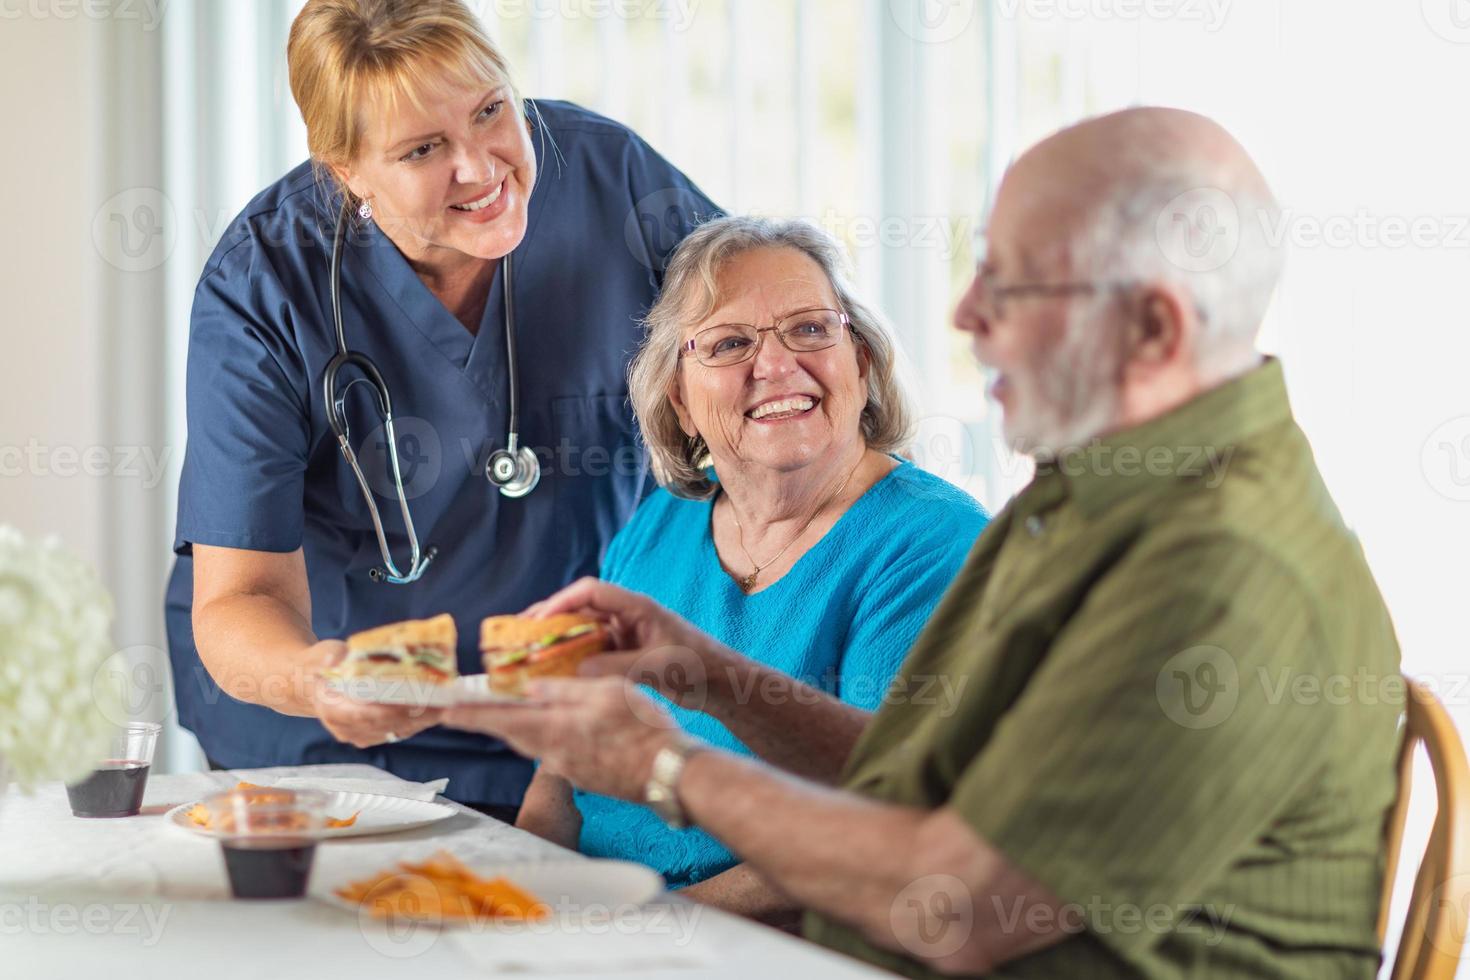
(1439, 906)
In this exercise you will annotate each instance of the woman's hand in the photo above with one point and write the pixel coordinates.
(600, 735)
(355, 722)
(653, 645)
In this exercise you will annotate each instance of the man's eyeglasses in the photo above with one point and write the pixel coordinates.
(801, 333)
(993, 296)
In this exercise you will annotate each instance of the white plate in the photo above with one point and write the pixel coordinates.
(376, 815)
(465, 689)
(588, 887)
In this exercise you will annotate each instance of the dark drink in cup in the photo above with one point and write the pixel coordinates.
(115, 789)
(269, 869)
(268, 839)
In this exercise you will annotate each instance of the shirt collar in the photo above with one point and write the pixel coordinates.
(1195, 441)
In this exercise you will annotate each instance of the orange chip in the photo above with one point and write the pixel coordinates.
(442, 889)
(263, 796)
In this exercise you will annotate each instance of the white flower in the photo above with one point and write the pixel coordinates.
(55, 617)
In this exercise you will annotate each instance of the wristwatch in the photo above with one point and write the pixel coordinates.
(661, 790)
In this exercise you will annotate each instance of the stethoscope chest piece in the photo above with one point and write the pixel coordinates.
(515, 471)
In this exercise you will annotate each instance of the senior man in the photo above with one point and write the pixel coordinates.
(1104, 756)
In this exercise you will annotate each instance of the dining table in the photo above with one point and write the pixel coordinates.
(142, 896)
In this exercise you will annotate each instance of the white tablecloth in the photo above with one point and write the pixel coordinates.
(134, 897)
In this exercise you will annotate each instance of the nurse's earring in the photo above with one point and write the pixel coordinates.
(365, 211)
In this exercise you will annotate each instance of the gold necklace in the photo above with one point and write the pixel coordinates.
(747, 582)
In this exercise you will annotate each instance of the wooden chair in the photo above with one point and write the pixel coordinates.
(1434, 929)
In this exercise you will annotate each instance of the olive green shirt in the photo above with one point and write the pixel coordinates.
(1165, 687)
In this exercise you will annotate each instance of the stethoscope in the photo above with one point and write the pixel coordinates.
(514, 470)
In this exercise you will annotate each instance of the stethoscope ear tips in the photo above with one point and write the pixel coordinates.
(516, 473)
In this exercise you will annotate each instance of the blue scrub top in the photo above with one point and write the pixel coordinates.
(262, 470)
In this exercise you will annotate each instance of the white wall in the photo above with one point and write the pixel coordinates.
(84, 453)
(49, 368)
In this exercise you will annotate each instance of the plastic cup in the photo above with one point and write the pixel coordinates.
(268, 839)
(115, 787)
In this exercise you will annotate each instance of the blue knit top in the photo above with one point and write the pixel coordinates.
(842, 619)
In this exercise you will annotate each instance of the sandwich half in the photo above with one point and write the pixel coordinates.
(417, 649)
(516, 648)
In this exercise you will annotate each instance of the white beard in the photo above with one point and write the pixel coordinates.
(1074, 397)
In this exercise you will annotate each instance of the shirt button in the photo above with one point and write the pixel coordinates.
(1034, 526)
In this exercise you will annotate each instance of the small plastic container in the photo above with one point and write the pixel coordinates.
(268, 839)
(115, 787)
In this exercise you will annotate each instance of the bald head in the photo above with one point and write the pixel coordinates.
(1129, 264)
(1123, 152)
(1160, 196)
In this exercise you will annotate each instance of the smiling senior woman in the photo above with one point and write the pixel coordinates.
(768, 397)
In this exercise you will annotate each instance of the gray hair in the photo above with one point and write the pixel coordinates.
(690, 294)
(1180, 225)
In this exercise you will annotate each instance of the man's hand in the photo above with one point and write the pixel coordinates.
(355, 722)
(601, 734)
(653, 646)
(788, 723)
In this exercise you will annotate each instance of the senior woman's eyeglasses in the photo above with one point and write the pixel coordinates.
(801, 332)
